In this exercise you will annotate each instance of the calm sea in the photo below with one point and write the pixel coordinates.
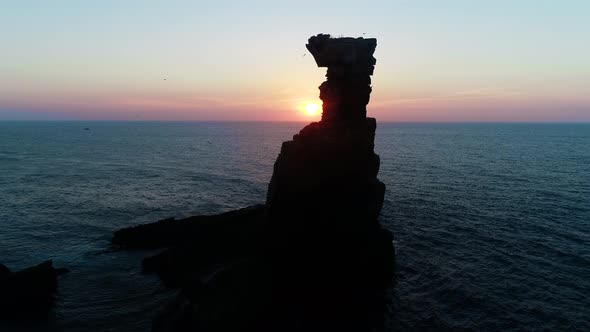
(491, 221)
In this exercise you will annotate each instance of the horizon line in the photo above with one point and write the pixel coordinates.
(297, 121)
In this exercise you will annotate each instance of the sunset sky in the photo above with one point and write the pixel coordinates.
(513, 60)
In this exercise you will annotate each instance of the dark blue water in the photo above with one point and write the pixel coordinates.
(491, 221)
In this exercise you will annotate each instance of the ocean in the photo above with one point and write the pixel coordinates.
(491, 221)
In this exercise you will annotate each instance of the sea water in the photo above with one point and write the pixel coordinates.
(491, 221)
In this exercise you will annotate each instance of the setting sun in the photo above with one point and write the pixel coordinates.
(311, 108)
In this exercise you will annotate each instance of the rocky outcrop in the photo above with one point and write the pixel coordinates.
(196, 246)
(313, 257)
(192, 230)
(29, 292)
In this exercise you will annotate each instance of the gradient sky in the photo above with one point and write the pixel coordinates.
(514, 60)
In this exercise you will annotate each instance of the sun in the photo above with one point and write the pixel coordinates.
(311, 108)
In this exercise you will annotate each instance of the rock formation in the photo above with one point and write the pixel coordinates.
(324, 196)
(314, 257)
(345, 94)
(29, 292)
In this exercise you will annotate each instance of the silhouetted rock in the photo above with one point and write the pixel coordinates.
(350, 63)
(197, 244)
(327, 248)
(314, 257)
(29, 292)
(4, 271)
(197, 229)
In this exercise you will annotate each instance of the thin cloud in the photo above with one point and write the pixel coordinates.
(455, 96)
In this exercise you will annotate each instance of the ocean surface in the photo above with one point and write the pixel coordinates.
(491, 221)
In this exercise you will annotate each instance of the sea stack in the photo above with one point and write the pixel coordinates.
(330, 166)
(324, 197)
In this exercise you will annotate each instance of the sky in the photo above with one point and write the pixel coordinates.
(437, 61)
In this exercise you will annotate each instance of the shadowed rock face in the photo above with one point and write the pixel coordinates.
(328, 169)
(314, 257)
(324, 197)
(330, 166)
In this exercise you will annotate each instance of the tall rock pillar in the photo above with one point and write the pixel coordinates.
(324, 197)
